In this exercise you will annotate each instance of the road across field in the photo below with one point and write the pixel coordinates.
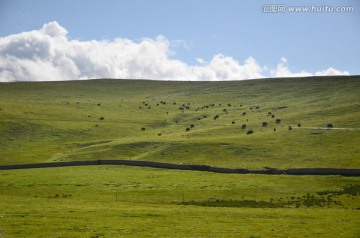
(205, 168)
(325, 128)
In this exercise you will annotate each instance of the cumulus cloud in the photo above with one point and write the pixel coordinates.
(49, 55)
(282, 70)
(331, 72)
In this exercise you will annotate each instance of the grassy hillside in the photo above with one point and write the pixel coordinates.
(62, 121)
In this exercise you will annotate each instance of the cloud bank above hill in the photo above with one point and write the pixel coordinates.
(49, 55)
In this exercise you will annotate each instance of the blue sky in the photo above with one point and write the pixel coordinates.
(302, 42)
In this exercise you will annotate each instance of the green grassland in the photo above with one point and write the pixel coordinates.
(61, 121)
(120, 201)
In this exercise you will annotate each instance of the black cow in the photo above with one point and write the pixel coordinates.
(216, 117)
(187, 129)
(192, 126)
(329, 126)
(243, 126)
(143, 129)
(264, 124)
(233, 122)
(299, 125)
(159, 134)
(269, 113)
(102, 118)
(244, 113)
(250, 132)
(278, 121)
(290, 128)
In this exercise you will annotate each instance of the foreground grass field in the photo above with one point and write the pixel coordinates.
(102, 119)
(117, 201)
(152, 121)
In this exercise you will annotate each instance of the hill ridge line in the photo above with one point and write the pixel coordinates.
(204, 168)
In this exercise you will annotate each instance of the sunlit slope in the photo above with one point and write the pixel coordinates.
(103, 119)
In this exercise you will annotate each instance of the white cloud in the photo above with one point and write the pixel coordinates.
(226, 68)
(330, 72)
(47, 54)
(282, 70)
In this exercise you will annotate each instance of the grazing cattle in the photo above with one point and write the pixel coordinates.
(159, 134)
(257, 107)
(243, 126)
(251, 108)
(278, 121)
(290, 128)
(78, 103)
(264, 124)
(157, 104)
(224, 110)
(250, 132)
(274, 129)
(272, 116)
(102, 118)
(174, 103)
(244, 113)
(187, 107)
(143, 129)
(181, 108)
(167, 112)
(96, 125)
(199, 118)
(146, 105)
(187, 129)
(205, 116)
(329, 126)
(149, 107)
(229, 105)
(140, 107)
(299, 125)
(233, 122)
(89, 116)
(269, 113)
(216, 117)
(99, 104)
(219, 104)
(192, 126)
(176, 122)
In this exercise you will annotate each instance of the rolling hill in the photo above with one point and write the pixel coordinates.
(175, 122)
